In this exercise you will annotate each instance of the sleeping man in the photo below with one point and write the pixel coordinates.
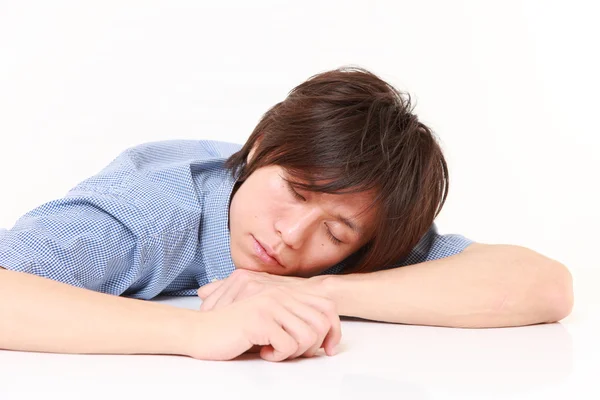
(327, 210)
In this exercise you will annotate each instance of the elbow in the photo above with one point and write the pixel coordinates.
(559, 293)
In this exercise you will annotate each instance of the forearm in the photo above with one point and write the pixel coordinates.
(491, 287)
(38, 314)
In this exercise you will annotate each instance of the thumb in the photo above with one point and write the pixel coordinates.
(207, 290)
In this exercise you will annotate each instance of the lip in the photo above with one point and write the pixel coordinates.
(263, 254)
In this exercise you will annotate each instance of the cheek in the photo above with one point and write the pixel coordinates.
(319, 258)
(260, 201)
(275, 198)
(322, 253)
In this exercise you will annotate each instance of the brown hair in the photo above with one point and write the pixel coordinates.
(354, 132)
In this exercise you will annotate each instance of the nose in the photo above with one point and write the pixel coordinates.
(297, 226)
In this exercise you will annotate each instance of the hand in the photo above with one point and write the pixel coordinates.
(242, 284)
(285, 324)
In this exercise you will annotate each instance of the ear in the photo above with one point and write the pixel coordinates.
(253, 150)
(250, 154)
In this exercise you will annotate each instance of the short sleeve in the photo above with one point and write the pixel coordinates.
(433, 246)
(80, 240)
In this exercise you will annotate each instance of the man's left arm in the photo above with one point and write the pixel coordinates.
(485, 285)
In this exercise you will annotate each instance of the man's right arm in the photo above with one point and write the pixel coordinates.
(42, 315)
(39, 314)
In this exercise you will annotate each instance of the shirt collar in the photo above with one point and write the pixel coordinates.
(215, 243)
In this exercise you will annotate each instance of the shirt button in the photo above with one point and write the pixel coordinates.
(214, 280)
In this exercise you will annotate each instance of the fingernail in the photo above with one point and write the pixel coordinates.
(336, 350)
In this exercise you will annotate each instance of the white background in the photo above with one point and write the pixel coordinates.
(511, 89)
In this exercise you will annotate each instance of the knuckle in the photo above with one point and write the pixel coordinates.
(294, 347)
(323, 326)
(263, 316)
(310, 339)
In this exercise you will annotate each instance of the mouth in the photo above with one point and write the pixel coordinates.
(263, 255)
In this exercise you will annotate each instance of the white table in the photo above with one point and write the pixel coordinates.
(378, 361)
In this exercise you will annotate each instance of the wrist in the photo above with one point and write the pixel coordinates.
(182, 332)
(331, 286)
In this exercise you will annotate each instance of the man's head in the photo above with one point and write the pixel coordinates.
(341, 155)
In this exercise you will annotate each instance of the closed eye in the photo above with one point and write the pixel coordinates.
(330, 235)
(294, 193)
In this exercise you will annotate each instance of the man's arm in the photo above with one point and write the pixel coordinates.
(484, 286)
(39, 314)
(42, 315)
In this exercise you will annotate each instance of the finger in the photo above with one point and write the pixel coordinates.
(329, 309)
(306, 324)
(318, 322)
(229, 295)
(210, 301)
(206, 290)
(254, 349)
(286, 331)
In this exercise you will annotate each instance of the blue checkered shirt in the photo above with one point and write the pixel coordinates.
(154, 221)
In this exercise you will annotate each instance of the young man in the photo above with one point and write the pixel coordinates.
(336, 188)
